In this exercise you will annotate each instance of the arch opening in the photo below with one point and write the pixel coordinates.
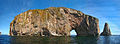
(73, 33)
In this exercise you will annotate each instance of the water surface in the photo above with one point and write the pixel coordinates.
(5, 39)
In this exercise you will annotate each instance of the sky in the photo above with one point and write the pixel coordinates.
(105, 10)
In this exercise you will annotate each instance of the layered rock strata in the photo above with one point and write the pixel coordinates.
(54, 21)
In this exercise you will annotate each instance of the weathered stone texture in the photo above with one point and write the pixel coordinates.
(54, 21)
(106, 31)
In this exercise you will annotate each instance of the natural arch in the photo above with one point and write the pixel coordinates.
(54, 21)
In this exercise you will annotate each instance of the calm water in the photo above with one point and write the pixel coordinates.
(5, 39)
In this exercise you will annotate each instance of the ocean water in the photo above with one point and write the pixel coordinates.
(5, 39)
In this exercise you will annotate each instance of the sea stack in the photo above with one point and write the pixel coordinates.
(106, 31)
(54, 21)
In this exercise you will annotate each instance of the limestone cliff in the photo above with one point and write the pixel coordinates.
(106, 31)
(54, 21)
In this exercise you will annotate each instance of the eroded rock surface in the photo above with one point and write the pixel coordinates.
(54, 21)
(0, 33)
(106, 31)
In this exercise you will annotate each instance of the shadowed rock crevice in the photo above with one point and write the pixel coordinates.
(46, 32)
(54, 21)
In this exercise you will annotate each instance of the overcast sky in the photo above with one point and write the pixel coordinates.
(105, 10)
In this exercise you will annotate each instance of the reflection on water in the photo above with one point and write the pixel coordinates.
(85, 40)
(4, 39)
(40, 40)
(109, 40)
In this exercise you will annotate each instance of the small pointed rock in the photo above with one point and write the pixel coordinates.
(106, 31)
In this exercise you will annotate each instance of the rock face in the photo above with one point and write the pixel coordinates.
(0, 33)
(106, 31)
(54, 21)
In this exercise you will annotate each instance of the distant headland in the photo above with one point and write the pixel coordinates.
(56, 21)
(0, 33)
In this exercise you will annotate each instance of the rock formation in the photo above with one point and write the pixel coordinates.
(0, 33)
(54, 21)
(106, 31)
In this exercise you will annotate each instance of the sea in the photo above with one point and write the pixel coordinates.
(114, 39)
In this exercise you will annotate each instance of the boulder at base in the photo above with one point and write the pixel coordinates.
(106, 31)
(54, 21)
